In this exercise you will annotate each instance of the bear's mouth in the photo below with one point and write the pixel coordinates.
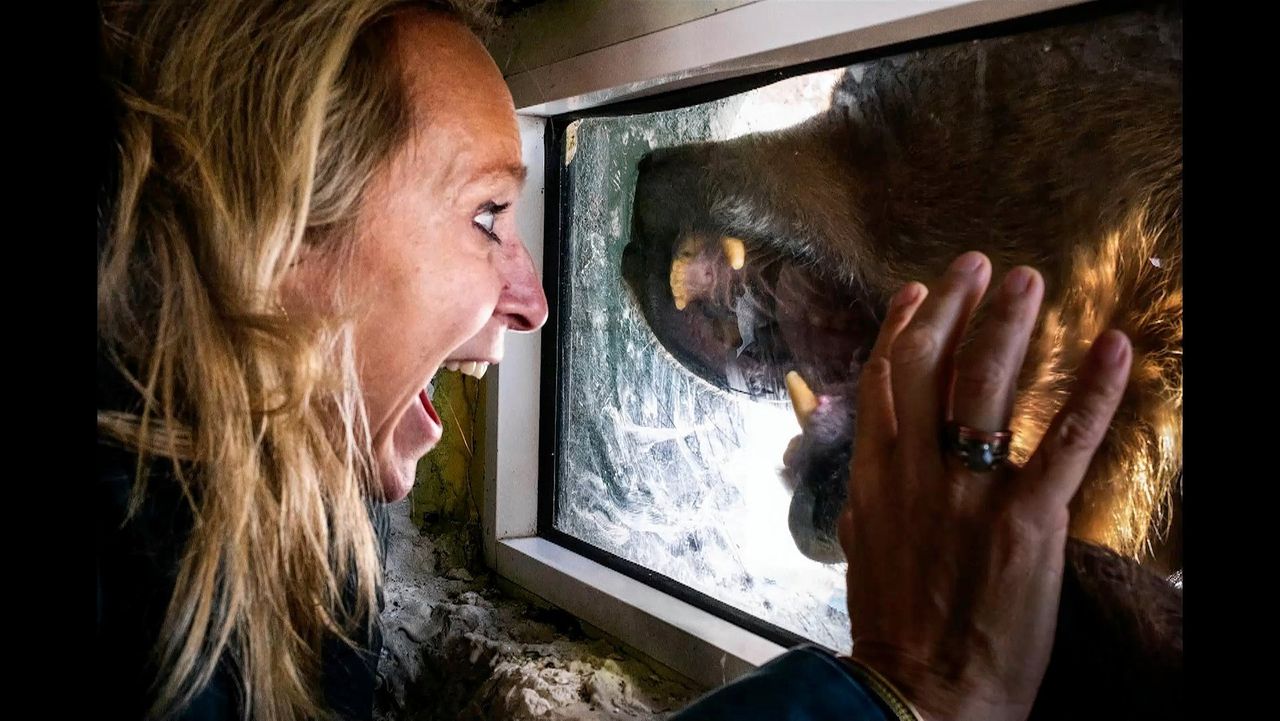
(742, 315)
(743, 307)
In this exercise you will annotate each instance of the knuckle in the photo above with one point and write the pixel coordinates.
(1023, 530)
(1013, 311)
(1080, 430)
(1108, 388)
(916, 345)
(981, 377)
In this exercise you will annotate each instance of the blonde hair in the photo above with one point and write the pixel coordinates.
(246, 131)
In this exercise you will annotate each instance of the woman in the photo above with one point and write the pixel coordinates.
(308, 219)
(301, 236)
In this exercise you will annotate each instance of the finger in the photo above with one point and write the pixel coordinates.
(875, 431)
(921, 352)
(1054, 472)
(901, 310)
(876, 426)
(987, 367)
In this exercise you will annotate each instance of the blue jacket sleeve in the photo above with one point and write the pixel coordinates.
(803, 684)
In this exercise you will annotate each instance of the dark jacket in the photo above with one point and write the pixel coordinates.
(803, 684)
(137, 563)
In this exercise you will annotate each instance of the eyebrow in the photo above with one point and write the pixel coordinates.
(515, 171)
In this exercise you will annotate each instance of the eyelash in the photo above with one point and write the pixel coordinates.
(495, 209)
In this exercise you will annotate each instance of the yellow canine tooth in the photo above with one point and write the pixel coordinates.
(735, 251)
(803, 401)
(678, 293)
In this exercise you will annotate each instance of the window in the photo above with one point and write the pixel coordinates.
(648, 501)
(656, 466)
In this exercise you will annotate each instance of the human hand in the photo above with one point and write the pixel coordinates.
(955, 573)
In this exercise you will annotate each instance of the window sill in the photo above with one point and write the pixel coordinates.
(693, 642)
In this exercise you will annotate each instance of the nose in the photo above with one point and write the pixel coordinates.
(522, 304)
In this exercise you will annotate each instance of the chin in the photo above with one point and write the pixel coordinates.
(396, 478)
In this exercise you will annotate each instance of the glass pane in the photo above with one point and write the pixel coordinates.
(711, 249)
(658, 466)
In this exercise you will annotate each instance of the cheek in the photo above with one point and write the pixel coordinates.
(450, 302)
(423, 300)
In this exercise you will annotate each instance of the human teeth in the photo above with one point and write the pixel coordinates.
(735, 251)
(475, 369)
(803, 401)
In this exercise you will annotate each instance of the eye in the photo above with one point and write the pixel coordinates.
(487, 218)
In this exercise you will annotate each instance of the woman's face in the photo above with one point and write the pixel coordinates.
(439, 273)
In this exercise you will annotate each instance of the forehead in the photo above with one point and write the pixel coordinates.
(458, 97)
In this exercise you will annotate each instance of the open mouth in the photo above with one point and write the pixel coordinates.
(742, 315)
(425, 398)
(746, 316)
(475, 368)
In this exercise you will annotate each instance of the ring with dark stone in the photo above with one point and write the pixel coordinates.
(978, 450)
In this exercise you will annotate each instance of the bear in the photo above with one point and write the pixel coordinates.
(1058, 148)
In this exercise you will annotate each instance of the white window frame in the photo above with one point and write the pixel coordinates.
(748, 38)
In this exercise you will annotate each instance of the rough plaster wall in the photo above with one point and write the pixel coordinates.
(450, 478)
(458, 647)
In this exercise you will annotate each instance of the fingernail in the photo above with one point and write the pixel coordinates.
(907, 295)
(1111, 348)
(1018, 281)
(967, 263)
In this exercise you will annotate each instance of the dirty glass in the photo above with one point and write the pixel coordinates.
(658, 466)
